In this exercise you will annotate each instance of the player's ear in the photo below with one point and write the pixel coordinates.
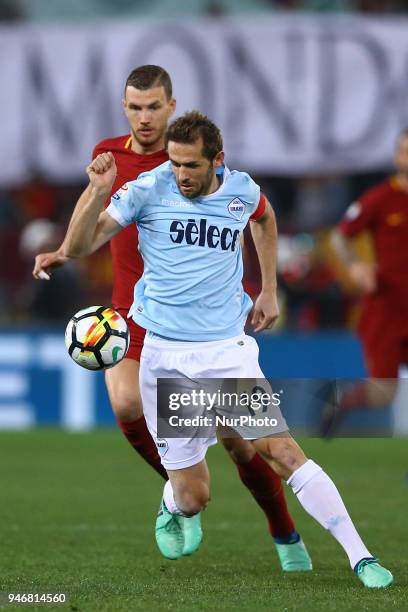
(219, 159)
(172, 104)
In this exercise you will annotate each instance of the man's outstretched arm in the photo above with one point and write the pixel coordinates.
(45, 262)
(86, 215)
(265, 236)
(92, 226)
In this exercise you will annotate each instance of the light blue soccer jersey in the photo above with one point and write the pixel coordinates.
(191, 288)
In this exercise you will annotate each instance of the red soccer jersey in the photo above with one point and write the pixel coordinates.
(127, 262)
(383, 211)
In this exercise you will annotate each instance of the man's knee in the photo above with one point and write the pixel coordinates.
(192, 498)
(124, 395)
(191, 487)
(126, 407)
(192, 503)
(122, 383)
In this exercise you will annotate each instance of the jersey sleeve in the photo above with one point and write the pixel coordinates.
(252, 195)
(127, 204)
(360, 215)
(260, 209)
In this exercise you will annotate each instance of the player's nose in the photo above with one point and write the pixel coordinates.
(184, 175)
(145, 117)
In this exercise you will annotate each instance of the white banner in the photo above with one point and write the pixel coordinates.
(292, 95)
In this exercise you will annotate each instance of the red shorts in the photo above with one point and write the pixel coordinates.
(137, 335)
(384, 336)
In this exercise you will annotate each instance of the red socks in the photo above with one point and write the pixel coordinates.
(139, 437)
(266, 487)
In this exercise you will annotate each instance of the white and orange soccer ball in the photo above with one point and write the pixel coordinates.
(97, 338)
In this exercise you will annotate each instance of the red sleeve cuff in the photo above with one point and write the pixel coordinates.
(260, 208)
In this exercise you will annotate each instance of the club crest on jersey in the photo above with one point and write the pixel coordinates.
(162, 447)
(236, 208)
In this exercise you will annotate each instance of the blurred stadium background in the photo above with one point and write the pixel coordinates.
(310, 95)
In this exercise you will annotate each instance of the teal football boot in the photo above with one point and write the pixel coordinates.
(294, 557)
(373, 575)
(193, 533)
(169, 533)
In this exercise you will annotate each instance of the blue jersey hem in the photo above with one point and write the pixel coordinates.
(161, 330)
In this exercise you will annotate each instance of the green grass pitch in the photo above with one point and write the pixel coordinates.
(77, 513)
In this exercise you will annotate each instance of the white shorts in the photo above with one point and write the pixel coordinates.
(234, 358)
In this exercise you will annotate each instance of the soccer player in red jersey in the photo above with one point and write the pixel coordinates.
(383, 325)
(148, 105)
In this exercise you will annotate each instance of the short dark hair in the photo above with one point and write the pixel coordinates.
(188, 128)
(149, 76)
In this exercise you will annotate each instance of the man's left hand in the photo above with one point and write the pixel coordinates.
(266, 311)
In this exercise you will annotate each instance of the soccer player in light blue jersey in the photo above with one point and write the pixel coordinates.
(148, 104)
(190, 213)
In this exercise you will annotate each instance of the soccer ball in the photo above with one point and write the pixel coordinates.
(97, 338)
